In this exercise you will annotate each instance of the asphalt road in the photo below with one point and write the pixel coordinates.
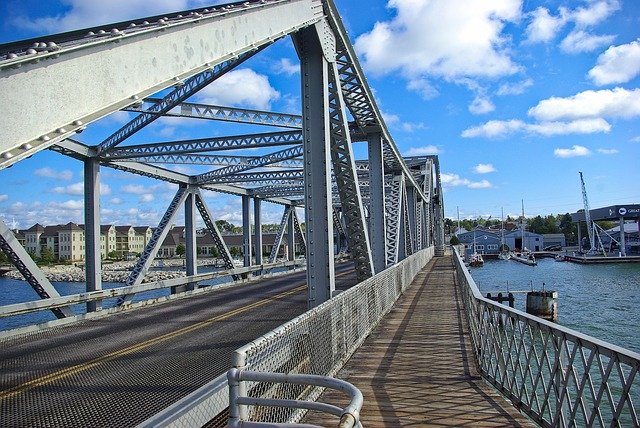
(119, 370)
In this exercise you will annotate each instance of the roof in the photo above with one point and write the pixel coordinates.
(612, 212)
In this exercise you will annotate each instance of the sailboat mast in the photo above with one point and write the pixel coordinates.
(522, 226)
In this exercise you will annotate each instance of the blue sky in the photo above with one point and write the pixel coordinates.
(514, 96)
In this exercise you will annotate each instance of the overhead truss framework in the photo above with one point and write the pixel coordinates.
(132, 66)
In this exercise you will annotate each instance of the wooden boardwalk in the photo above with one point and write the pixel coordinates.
(417, 367)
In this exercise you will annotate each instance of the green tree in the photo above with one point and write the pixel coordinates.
(181, 250)
(113, 255)
(454, 240)
(47, 257)
(234, 251)
(3, 258)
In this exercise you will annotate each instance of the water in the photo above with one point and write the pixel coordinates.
(602, 301)
(13, 291)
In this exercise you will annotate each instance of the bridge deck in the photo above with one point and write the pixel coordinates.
(417, 366)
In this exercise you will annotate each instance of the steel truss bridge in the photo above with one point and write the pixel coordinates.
(52, 88)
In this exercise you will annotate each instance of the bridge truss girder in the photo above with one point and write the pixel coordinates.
(315, 168)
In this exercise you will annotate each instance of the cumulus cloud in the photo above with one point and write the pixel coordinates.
(481, 104)
(543, 27)
(516, 88)
(423, 88)
(503, 128)
(618, 64)
(454, 180)
(147, 197)
(88, 13)
(115, 201)
(580, 41)
(4, 198)
(286, 66)
(572, 152)
(78, 189)
(613, 103)
(48, 172)
(442, 39)
(242, 87)
(483, 168)
(422, 151)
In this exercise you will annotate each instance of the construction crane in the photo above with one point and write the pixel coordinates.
(591, 226)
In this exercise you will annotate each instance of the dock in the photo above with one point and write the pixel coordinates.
(588, 260)
(417, 367)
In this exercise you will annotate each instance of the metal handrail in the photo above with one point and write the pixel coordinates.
(555, 375)
(238, 398)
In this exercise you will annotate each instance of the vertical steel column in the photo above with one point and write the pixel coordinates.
(190, 238)
(317, 166)
(257, 219)
(438, 213)
(411, 218)
(291, 235)
(246, 229)
(93, 263)
(377, 223)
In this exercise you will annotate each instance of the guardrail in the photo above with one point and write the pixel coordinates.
(80, 298)
(317, 342)
(238, 399)
(557, 376)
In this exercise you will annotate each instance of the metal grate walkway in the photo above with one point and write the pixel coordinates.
(417, 367)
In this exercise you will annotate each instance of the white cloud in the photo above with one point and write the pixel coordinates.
(285, 66)
(636, 139)
(608, 151)
(614, 103)
(423, 88)
(454, 180)
(572, 152)
(500, 128)
(595, 13)
(543, 27)
(580, 41)
(483, 168)
(442, 39)
(240, 87)
(136, 189)
(422, 151)
(88, 13)
(481, 105)
(48, 172)
(4, 198)
(411, 126)
(78, 189)
(516, 88)
(618, 64)
(147, 197)
(115, 201)
(71, 204)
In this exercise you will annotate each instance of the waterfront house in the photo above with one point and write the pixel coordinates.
(487, 241)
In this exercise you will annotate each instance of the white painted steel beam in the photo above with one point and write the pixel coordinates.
(28, 268)
(317, 166)
(93, 259)
(65, 88)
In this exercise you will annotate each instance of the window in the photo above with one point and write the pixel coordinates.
(479, 247)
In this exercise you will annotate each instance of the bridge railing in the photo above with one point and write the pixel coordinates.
(555, 375)
(317, 342)
(252, 273)
(321, 340)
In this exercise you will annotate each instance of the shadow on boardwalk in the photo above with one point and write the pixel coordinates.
(417, 367)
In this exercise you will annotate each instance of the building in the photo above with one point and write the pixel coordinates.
(554, 239)
(487, 242)
(532, 241)
(624, 214)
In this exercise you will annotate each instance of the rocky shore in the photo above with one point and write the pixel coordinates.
(113, 272)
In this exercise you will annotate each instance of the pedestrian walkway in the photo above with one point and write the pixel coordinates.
(417, 367)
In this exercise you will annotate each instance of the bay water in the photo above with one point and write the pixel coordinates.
(602, 301)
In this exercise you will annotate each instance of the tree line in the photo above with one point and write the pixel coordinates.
(560, 223)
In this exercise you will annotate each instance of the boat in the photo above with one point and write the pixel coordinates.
(476, 260)
(525, 257)
(559, 258)
(504, 251)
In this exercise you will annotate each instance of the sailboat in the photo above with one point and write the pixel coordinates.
(525, 256)
(476, 259)
(504, 252)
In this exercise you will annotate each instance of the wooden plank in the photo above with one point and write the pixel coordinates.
(417, 368)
